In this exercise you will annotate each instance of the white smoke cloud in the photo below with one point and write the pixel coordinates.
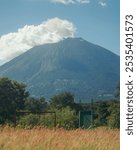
(51, 31)
(71, 1)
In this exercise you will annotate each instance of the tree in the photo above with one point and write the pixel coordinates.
(67, 118)
(62, 100)
(114, 110)
(117, 94)
(35, 104)
(101, 114)
(114, 117)
(12, 98)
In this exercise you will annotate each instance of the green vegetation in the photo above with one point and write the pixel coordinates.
(14, 99)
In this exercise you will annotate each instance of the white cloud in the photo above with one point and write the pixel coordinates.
(51, 31)
(71, 1)
(102, 3)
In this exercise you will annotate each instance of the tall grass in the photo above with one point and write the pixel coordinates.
(46, 139)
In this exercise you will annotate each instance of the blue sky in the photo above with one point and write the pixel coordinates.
(97, 21)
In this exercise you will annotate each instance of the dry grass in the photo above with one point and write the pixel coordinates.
(46, 139)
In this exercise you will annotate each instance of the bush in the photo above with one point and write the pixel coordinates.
(114, 117)
(114, 120)
(47, 120)
(28, 121)
(67, 118)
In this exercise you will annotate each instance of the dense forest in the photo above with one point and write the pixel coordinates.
(19, 108)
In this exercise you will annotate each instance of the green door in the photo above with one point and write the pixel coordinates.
(85, 119)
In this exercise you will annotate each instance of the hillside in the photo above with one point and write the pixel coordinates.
(75, 65)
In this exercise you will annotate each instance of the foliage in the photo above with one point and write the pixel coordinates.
(35, 104)
(101, 114)
(67, 118)
(12, 98)
(114, 117)
(28, 121)
(47, 120)
(32, 120)
(15, 98)
(62, 100)
(107, 113)
(117, 94)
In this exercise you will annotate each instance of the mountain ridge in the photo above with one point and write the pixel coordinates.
(72, 64)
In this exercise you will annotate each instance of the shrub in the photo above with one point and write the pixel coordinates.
(28, 121)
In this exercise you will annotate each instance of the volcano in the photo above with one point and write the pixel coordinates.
(75, 65)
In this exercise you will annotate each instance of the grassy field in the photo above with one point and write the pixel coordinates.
(46, 139)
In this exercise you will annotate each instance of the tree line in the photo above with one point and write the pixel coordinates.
(15, 98)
